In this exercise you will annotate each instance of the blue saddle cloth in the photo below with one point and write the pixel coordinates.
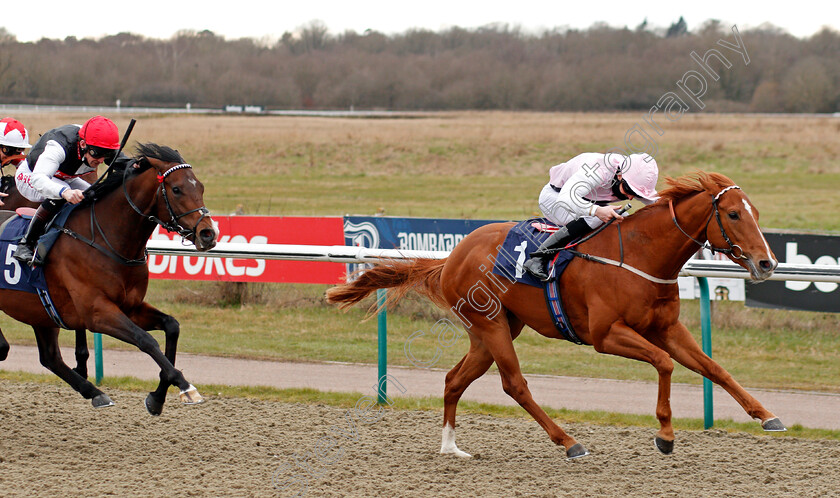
(17, 276)
(521, 241)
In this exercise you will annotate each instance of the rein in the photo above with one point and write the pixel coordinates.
(600, 229)
(619, 264)
(731, 251)
(109, 251)
(172, 225)
(612, 262)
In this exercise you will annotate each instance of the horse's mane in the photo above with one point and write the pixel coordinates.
(115, 177)
(160, 152)
(690, 184)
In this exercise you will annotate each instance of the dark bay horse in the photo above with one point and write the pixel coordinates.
(617, 311)
(97, 273)
(14, 201)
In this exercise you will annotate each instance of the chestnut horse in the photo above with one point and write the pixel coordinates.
(97, 273)
(14, 201)
(619, 312)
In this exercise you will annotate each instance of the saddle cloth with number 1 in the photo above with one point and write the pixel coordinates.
(521, 241)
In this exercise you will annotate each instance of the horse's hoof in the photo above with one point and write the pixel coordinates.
(101, 401)
(773, 425)
(190, 396)
(154, 407)
(455, 451)
(576, 451)
(663, 445)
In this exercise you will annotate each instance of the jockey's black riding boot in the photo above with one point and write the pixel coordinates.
(25, 251)
(537, 264)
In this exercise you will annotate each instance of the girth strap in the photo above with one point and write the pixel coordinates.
(49, 307)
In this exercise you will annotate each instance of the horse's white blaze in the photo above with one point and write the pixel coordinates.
(448, 444)
(192, 180)
(766, 245)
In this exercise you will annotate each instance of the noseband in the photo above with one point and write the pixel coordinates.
(172, 225)
(734, 250)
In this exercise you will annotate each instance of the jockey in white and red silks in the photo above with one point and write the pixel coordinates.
(14, 140)
(52, 170)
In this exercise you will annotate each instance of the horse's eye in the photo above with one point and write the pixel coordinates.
(733, 215)
(177, 191)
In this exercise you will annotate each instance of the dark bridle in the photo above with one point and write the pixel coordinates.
(731, 251)
(146, 151)
(172, 225)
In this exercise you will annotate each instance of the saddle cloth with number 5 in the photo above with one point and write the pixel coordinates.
(17, 276)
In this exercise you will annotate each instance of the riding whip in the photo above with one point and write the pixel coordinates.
(122, 145)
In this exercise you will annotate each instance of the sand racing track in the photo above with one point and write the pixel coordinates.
(55, 443)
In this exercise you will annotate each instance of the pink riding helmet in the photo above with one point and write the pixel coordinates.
(641, 174)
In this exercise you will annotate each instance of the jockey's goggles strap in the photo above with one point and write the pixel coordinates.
(166, 173)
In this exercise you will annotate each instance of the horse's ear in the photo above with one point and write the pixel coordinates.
(142, 163)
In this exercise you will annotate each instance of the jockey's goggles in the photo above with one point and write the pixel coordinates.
(11, 151)
(101, 152)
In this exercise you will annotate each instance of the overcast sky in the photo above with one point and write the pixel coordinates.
(267, 18)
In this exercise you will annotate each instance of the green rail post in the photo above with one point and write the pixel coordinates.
(706, 328)
(97, 357)
(382, 318)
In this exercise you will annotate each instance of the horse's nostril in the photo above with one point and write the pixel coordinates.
(766, 264)
(207, 235)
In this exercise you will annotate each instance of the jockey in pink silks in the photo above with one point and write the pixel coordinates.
(578, 192)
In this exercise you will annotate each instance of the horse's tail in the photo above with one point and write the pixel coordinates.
(421, 275)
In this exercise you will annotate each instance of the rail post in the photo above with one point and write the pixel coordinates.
(382, 319)
(97, 351)
(706, 339)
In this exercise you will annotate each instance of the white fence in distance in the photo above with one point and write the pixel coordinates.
(349, 254)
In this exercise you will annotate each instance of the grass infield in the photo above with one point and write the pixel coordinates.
(479, 165)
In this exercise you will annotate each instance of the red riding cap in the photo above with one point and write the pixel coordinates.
(100, 131)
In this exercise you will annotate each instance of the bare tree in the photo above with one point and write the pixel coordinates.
(496, 66)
